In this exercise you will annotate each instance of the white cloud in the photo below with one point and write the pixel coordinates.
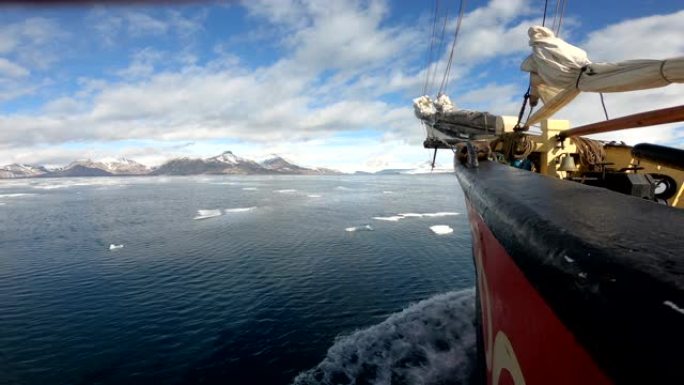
(12, 70)
(650, 37)
(342, 66)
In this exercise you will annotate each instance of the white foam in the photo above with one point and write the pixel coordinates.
(15, 195)
(314, 196)
(114, 247)
(286, 191)
(395, 218)
(673, 306)
(441, 229)
(204, 214)
(239, 209)
(359, 228)
(250, 188)
(430, 342)
(388, 192)
(2, 203)
(343, 188)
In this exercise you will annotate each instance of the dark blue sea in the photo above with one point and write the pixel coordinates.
(235, 280)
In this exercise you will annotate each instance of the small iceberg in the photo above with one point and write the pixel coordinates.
(115, 247)
(441, 229)
(239, 210)
(204, 214)
(359, 228)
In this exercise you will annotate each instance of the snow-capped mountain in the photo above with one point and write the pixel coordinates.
(124, 166)
(105, 167)
(225, 163)
(17, 170)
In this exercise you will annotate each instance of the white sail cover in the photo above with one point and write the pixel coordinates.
(560, 71)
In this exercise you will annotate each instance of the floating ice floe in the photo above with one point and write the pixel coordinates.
(239, 209)
(430, 342)
(394, 218)
(286, 191)
(114, 247)
(429, 215)
(204, 214)
(15, 195)
(50, 186)
(441, 229)
(359, 228)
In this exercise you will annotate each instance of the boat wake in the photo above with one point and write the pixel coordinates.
(430, 342)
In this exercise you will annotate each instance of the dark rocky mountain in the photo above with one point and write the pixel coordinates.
(278, 164)
(76, 170)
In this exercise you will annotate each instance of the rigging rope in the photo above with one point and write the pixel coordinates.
(560, 18)
(445, 79)
(603, 103)
(546, 4)
(555, 15)
(440, 49)
(591, 152)
(432, 44)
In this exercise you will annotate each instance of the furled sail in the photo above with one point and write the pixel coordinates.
(444, 120)
(560, 71)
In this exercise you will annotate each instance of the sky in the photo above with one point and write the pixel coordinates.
(322, 83)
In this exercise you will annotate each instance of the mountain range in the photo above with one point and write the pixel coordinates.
(225, 163)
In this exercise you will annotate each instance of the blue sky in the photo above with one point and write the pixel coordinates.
(323, 83)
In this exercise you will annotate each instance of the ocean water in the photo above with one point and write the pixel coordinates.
(235, 280)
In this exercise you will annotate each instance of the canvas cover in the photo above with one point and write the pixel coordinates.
(560, 71)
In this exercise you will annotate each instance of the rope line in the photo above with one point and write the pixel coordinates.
(447, 72)
(432, 44)
(603, 103)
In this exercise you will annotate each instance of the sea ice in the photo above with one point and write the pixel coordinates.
(15, 195)
(239, 209)
(441, 229)
(204, 214)
(359, 228)
(394, 218)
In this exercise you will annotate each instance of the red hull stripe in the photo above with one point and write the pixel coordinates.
(524, 341)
